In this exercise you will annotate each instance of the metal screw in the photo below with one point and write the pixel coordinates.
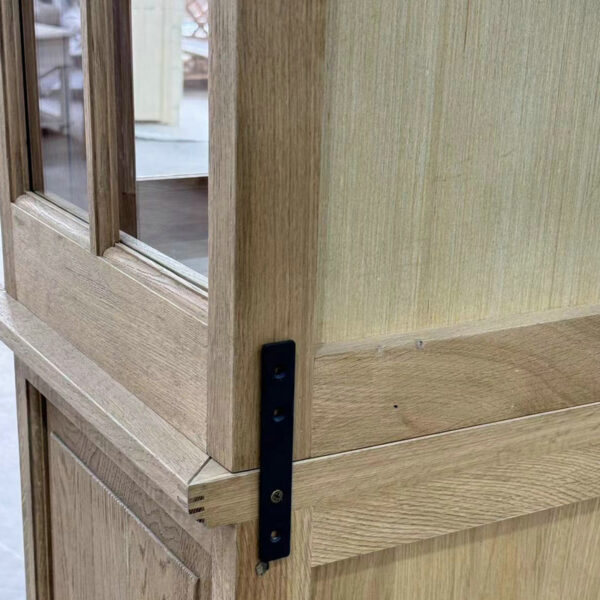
(276, 496)
(262, 568)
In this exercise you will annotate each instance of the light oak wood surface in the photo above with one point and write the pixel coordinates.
(551, 555)
(132, 328)
(14, 166)
(404, 491)
(188, 541)
(33, 455)
(266, 94)
(101, 549)
(459, 171)
(101, 114)
(151, 451)
(393, 388)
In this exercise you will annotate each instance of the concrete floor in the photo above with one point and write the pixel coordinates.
(12, 567)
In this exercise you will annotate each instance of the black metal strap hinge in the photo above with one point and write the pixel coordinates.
(278, 362)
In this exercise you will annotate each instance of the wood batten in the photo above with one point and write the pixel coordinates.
(14, 166)
(137, 322)
(370, 499)
(266, 95)
(123, 65)
(399, 387)
(101, 112)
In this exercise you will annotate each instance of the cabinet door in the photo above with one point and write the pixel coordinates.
(101, 551)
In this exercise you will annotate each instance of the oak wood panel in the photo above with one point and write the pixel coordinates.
(179, 535)
(100, 548)
(123, 66)
(266, 93)
(288, 578)
(460, 163)
(133, 330)
(101, 109)
(152, 452)
(552, 555)
(33, 454)
(359, 474)
(390, 389)
(393, 515)
(14, 166)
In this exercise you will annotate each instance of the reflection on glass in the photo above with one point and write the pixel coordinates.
(170, 77)
(60, 89)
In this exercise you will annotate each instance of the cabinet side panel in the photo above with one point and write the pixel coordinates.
(551, 555)
(460, 163)
(100, 549)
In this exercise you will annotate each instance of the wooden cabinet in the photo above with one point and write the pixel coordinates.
(408, 191)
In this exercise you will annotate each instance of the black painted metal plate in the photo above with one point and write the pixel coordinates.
(278, 365)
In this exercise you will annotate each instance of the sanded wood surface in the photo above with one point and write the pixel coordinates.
(394, 388)
(286, 579)
(188, 541)
(106, 163)
(101, 549)
(33, 455)
(132, 328)
(160, 459)
(266, 93)
(509, 468)
(551, 555)
(14, 166)
(460, 163)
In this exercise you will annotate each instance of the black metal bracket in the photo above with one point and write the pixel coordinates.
(278, 362)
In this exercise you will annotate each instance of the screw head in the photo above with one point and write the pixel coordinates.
(276, 496)
(262, 568)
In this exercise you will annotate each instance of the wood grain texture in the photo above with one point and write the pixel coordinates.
(551, 555)
(100, 545)
(178, 535)
(384, 390)
(358, 476)
(123, 66)
(152, 452)
(130, 324)
(393, 515)
(460, 163)
(30, 75)
(101, 110)
(288, 578)
(33, 454)
(14, 166)
(266, 93)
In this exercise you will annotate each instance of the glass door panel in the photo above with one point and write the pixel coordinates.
(170, 42)
(58, 41)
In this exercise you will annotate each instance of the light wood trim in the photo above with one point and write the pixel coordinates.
(529, 442)
(263, 200)
(33, 450)
(123, 65)
(151, 451)
(101, 111)
(32, 96)
(14, 166)
(395, 388)
(136, 321)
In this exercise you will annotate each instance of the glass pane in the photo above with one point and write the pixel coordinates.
(170, 79)
(60, 89)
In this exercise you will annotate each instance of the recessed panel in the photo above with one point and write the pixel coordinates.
(460, 163)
